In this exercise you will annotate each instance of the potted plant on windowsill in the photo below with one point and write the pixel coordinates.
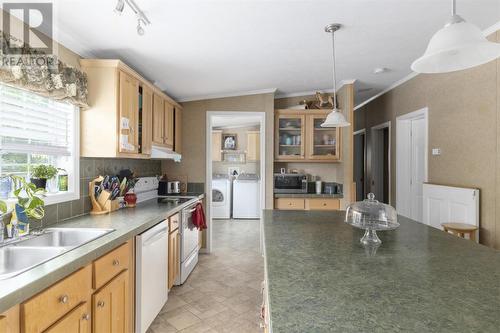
(41, 173)
(29, 202)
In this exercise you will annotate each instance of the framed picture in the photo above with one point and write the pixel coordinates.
(229, 141)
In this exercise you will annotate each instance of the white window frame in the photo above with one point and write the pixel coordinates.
(73, 175)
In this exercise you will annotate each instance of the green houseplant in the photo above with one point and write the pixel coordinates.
(41, 173)
(29, 202)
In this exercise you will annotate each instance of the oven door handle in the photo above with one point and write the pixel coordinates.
(192, 210)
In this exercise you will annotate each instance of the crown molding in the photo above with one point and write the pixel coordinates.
(224, 95)
(488, 31)
(312, 92)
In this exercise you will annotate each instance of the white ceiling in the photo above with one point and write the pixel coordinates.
(196, 48)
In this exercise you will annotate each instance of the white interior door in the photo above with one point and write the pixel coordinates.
(417, 165)
(377, 164)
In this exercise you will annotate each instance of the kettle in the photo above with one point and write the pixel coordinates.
(174, 187)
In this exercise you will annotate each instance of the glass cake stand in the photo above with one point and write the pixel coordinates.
(371, 216)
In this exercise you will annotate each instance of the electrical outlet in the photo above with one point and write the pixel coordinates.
(436, 151)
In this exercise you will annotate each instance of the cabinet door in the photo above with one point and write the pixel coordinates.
(253, 146)
(129, 114)
(111, 306)
(323, 143)
(290, 129)
(172, 239)
(77, 321)
(158, 119)
(10, 321)
(169, 125)
(217, 146)
(146, 125)
(178, 130)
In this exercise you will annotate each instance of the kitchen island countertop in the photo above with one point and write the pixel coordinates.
(127, 222)
(320, 278)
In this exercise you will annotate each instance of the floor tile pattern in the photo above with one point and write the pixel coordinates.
(222, 294)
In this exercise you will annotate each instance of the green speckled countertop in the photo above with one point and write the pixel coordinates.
(127, 223)
(320, 279)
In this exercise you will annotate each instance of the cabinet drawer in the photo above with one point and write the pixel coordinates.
(173, 222)
(322, 204)
(111, 264)
(50, 305)
(289, 203)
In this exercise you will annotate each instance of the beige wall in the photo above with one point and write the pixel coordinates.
(464, 113)
(241, 142)
(340, 172)
(194, 118)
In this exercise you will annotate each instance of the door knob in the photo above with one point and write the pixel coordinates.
(64, 299)
(116, 262)
(86, 316)
(100, 304)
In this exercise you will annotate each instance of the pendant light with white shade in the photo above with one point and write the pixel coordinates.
(457, 46)
(334, 118)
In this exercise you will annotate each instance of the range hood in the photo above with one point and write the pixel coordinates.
(162, 153)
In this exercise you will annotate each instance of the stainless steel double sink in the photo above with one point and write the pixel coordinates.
(22, 255)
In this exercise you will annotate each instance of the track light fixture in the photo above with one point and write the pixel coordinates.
(142, 19)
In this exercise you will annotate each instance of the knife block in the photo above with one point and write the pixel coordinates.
(102, 204)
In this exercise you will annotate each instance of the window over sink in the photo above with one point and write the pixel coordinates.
(36, 130)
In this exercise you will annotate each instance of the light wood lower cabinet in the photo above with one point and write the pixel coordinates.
(77, 321)
(9, 320)
(70, 306)
(174, 255)
(306, 204)
(289, 204)
(110, 306)
(44, 309)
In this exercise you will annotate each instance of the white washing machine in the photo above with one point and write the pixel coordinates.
(221, 196)
(246, 197)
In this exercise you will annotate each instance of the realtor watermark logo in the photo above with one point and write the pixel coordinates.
(27, 33)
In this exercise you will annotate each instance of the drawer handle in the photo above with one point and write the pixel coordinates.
(100, 304)
(86, 316)
(64, 299)
(116, 262)
(289, 204)
(324, 203)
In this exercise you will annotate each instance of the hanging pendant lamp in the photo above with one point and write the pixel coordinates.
(334, 118)
(459, 45)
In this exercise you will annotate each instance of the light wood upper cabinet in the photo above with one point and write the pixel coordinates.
(216, 146)
(146, 114)
(178, 130)
(322, 142)
(253, 146)
(110, 306)
(158, 120)
(169, 125)
(290, 134)
(127, 114)
(77, 321)
(300, 137)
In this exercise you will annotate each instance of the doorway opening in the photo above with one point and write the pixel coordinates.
(381, 162)
(235, 168)
(360, 163)
(411, 162)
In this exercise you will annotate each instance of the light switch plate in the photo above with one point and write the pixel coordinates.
(436, 151)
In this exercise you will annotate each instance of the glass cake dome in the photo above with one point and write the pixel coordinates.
(371, 215)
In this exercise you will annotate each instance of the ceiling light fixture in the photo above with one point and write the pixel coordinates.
(142, 19)
(120, 5)
(334, 118)
(140, 29)
(459, 45)
(380, 70)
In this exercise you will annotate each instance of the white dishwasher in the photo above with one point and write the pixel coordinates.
(151, 248)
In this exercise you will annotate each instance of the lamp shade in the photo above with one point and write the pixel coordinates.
(335, 119)
(459, 45)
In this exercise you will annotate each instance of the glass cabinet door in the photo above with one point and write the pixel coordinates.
(323, 142)
(290, 137)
